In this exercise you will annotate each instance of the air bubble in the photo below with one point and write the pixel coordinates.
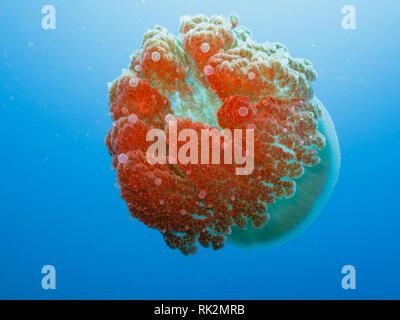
(208, 70)
(205, 47)
(243, 112)
(252, 76)
(123, 158)
(202, 195)
(155, 56)
(138, 68)
(134, 82)
(158, 182)
(133, 119)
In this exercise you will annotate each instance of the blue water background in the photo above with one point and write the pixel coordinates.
(59, 205)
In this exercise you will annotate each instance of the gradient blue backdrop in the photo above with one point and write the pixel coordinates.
(59, 205)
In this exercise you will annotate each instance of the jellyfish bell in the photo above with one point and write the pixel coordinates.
(199, 84)
(287, 218)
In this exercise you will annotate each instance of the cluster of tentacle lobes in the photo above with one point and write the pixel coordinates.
(212, 75)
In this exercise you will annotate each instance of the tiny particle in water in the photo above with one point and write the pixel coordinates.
(183, 212)
(109, 85)
(158, 182)
(252, 76)
(138, 68)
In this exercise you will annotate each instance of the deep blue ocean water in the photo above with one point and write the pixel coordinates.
(59, 205)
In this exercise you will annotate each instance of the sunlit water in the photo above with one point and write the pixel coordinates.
(59, 202)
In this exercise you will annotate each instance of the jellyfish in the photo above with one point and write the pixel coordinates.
(215, 76)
